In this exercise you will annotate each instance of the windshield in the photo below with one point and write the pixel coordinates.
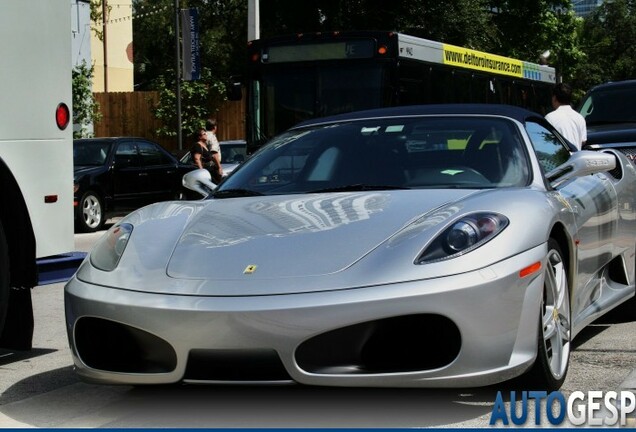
(376, 154)
(610, 105)
(90, 153)
(290, 94)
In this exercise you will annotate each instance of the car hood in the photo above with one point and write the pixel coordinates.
(305, 243)
(611, 133)
(292, 239)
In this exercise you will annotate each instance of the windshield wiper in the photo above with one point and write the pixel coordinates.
(233, 193)
(358, 187)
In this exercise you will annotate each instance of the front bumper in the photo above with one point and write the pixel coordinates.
(156, 338)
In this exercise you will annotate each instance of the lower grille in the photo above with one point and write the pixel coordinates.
(235, 365)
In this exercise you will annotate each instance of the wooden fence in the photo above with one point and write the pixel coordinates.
(130, 114)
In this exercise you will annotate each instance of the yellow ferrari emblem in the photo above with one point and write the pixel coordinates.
(250, 269)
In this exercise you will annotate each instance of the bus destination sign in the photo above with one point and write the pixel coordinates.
(341, 50)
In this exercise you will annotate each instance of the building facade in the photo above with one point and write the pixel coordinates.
(81, 32)
(112, 54)
(583, 8)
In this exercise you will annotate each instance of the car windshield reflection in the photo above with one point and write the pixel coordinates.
(381, 154)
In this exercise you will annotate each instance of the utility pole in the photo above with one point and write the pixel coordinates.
(105, 43)
(177, 71)
(253, 20)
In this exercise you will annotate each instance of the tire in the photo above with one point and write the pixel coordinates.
(16, 322)
(4, 277)
(553, 342)
(90, 213)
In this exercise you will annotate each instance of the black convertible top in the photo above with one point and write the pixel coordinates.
(514, 112)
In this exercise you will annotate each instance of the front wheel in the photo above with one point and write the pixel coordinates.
(553, 355)
(90, 216)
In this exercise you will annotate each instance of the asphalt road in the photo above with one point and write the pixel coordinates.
(40, 389)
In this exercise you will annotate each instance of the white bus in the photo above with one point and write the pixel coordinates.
(36, 160)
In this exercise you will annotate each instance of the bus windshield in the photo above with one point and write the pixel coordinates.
(293, 94)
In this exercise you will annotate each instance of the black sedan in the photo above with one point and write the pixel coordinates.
(610, 115)
(116, 175)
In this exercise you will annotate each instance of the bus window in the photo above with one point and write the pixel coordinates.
(413, 85)
(462, 86)
(441, 86)
(482, 90)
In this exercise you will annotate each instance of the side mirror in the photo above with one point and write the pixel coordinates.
(234, 90)
(200, 181)
(582, 163)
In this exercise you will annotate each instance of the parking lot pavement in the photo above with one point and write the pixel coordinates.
(630, 382)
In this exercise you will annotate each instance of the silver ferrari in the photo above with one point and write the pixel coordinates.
(423, 246)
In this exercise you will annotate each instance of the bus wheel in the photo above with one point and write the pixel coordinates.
(91, 213)
(4, 277)
(16, 307)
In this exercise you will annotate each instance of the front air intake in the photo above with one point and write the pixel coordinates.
(390, 345)
(115, 347)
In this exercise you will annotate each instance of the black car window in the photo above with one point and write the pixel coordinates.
(152, 155)
(609, 105)
(126, 155)
(233, 153)
(90, 153)
(550, 151)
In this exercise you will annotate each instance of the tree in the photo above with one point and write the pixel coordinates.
(85, 108)
(223, 30)
(198, 99)
(222, 39)
(607, 37)
(97, 16)
(527, 29)
(459, 22)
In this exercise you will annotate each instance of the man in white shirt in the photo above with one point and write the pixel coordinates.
(566, 120)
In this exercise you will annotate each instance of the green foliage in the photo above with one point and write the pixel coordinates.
(85, 108)
(529, 28)
(607, 37)
(198, 100)
(222, 39)
(97, 16)
(459, 22)
(222, 42)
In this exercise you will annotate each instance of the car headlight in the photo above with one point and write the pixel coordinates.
(109, 249)
(464, 235)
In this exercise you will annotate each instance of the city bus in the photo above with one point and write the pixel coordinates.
(297, 77)
(36, 159)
